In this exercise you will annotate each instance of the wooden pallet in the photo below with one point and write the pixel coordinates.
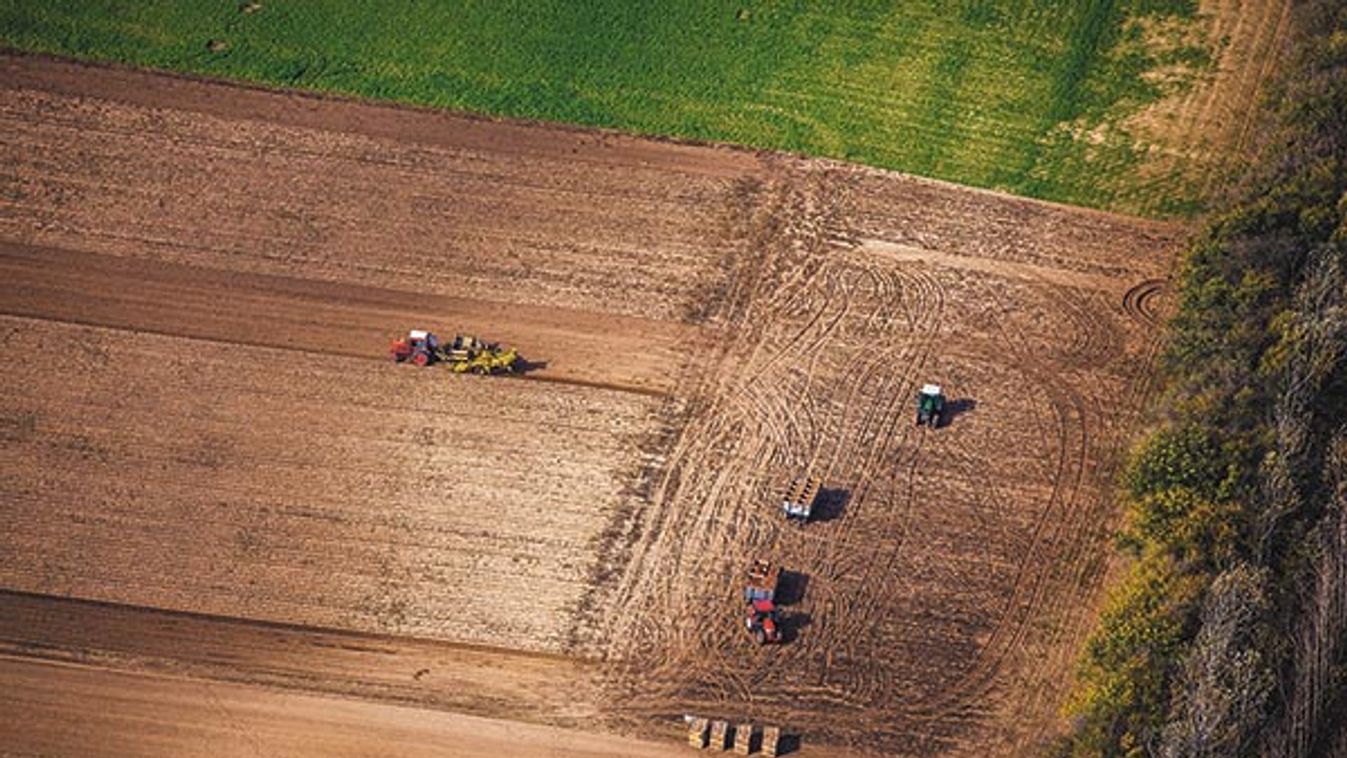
(763, 579)
(698, 733)
(771, 741)
(802, 492)
(720, 735)
(743, 739)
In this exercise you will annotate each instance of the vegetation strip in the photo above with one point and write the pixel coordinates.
(1027, 96)
(1228, 635)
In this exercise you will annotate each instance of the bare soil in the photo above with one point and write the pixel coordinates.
(61, 710)
(215, 485)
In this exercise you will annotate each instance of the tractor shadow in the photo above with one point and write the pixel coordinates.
(790, 588)
(956, 408)
(791, 625)
(829, 505)
(525, 366)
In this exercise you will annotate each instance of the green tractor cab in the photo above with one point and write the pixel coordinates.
(930, 405)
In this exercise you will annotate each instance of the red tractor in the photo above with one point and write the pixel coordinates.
(763, 622)
(419, 347)
(464, 353)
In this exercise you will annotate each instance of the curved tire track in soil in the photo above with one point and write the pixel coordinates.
(831, 394)
(1139, 302)
(1024, 594)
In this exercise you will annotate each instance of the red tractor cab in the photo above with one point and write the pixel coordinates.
(763, 622)
(419, 346)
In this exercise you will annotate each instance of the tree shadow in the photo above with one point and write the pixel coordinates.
(829, 504)
(955, 408)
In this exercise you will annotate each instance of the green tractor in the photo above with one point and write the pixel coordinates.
(930, 405)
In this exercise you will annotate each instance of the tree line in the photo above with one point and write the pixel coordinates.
(1227, 636)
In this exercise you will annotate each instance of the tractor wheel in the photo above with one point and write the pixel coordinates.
(760, 635)
(421, 359)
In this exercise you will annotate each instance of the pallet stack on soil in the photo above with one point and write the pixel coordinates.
(771, 741)
(743, 737)
(720, 735)
(698, 733)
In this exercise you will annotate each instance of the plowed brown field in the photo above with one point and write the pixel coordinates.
(215, 484)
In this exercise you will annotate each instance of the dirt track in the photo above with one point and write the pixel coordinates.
(212, 449)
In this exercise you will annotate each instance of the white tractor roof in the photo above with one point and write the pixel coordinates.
(418, 334)
(930, 389)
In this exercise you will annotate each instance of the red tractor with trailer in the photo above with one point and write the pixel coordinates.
(762, 619)
(462, 354)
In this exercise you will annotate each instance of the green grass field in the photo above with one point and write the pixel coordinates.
(1027, 96)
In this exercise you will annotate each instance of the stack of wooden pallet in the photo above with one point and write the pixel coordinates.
(798, 503)
(697, 732)
(720, 735)
(745, 737)
(771, 741)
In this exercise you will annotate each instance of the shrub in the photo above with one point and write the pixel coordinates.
(1125, 671)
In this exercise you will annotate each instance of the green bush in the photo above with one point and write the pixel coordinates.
(1124, 674)
(1191, 529)
(1179, 488)
(1185, 458)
